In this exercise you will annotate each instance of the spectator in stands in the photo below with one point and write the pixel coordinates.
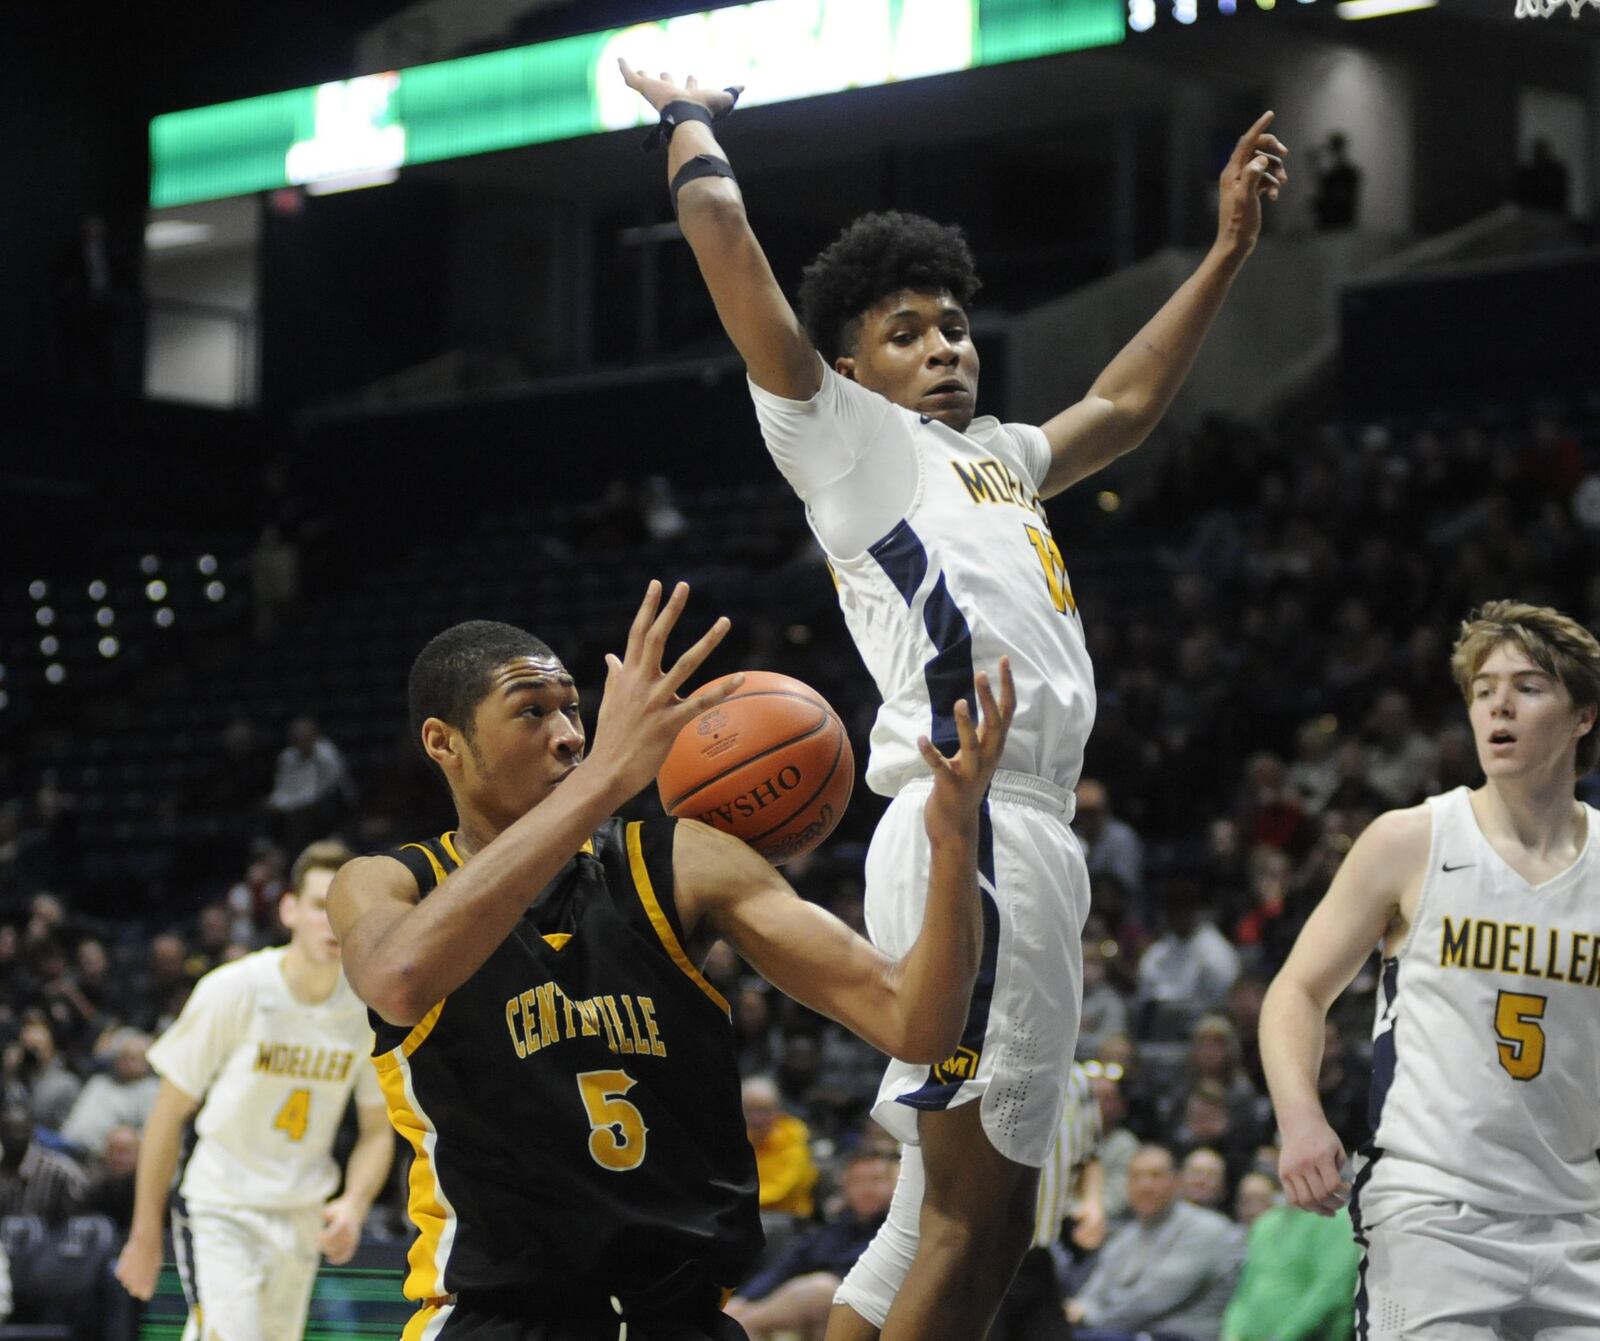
(757, 1038)
(1191, 965)
(1214, 1055)
(211, 935)
(1336, 203)
(1400, 760)
(794, 1291)
(274, 581)
(36, 1077)
(1265, 930)
(1354, 790)
(1312, 776)
(1109, 844)
(110, 1190)
(91, 974)
(157, 994)
(1455, 760)
(1104, 1011)
(53, 991)
(1171, 1271)
(35, 1180)
(1244, 1013)
(1298, 1278)
(120, 1096)
(1256, 1194)
(1115, 1150)
(1270, 813)
(312, 789)
(783, 1151)
(1342, 1088)
(1203, 1179)
(253, 900)
(1208, 1119)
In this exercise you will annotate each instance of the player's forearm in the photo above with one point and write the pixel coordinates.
(152, 1179)
(935, 978)
(1291, 1038)
(439, 943)
(368, 1167)
(1142, 379)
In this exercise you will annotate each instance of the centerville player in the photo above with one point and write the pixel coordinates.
(934, 527)
(269, 1049)
(1477, 1199)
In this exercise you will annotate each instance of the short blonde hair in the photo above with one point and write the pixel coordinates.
(326, 854)
(1554, 642)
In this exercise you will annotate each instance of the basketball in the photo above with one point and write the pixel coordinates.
(772, 766)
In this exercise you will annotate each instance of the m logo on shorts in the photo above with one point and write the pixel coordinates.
(960, 1065)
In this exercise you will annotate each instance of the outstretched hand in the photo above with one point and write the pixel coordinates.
(641, 713)
(658, 92)
(962, 781)
(1254, 170)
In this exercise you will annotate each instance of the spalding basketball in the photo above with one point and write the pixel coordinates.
(771, 765)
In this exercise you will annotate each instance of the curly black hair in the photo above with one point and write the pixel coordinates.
(877, 255)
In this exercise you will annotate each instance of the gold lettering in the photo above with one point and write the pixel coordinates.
(1530, 937)
(264, 1057)
(647, 1008)
(346, 1061)
(1552, 961)
(1005, 483)
(1581, 942)
(530, 1027)
(624, 1042)
(590, 1014)
(1485, 944)
(639, 1045)
(977, 486)
(1510, 947)
(511, 1027)
(548, 1025)
(605, 1022)
(1453, 943)
(566, 1006)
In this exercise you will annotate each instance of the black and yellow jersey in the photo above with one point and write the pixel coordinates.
(573, 1107)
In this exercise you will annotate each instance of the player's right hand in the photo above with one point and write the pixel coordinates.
(658, 92)
(641, 713)
(1311, 1167)
(139, 1264)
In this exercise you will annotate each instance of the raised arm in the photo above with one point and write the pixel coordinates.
(912, 1008)
(1129, 397)
(1362, 905)
(403, 955)
(754, 312)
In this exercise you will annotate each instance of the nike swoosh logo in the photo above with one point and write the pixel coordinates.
(926, 418)
(1447, 867)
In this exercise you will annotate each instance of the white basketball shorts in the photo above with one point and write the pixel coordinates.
(247, 1274)
(1445, 1271)
(1016, 1050)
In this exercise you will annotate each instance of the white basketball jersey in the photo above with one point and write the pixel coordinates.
(1486, 1058)
(276, 1075)
(969, 574)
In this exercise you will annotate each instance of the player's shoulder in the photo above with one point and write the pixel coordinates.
(1397, 834)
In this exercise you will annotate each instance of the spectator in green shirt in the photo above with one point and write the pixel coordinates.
(1299, 1279)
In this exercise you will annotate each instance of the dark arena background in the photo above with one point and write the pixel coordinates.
(291, 383)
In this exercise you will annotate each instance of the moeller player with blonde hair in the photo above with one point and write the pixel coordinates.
(1476, 1200)
(268, 1051)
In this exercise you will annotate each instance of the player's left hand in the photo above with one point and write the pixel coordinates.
(341, 1231)
(659, 92)
(962, 781)
(1254, 170)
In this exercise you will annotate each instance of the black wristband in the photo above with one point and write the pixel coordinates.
(701, 165)
(679, 110)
